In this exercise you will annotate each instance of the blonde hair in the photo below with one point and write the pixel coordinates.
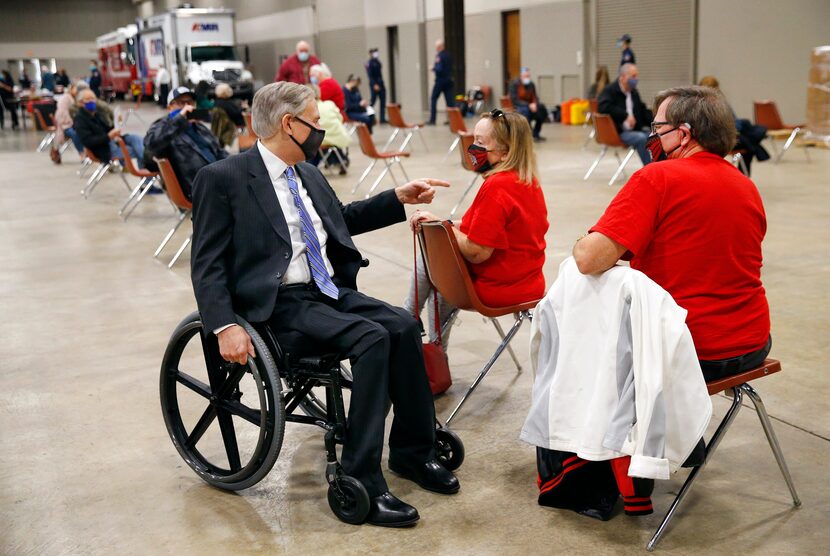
(223, 90)
(709, 81)
(512, 133)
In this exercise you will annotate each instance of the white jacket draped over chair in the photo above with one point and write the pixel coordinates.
(616, 372)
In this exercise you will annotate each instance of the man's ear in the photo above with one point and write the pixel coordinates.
(286, 127)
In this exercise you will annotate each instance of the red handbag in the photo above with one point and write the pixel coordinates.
(435, 359)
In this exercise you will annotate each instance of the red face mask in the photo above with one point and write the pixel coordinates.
(655, 146)
(478, 158)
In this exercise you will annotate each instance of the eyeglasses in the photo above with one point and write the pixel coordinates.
(655, 125)
(496, 113)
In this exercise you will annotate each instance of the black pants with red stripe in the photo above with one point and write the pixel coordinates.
(590, 488)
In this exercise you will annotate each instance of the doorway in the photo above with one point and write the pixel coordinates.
(511, 33)
(392, 46)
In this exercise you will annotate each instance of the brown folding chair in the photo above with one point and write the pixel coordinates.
(177, 197)
(389, 158)
(606, 135)
(99, 173)
(767, 115)
(457, 127)
(249, 138)
(448, 272)
(466, 140)
(49, 128)
(589, 120)
(396, 120)
(146, 181)
(506, 104)
(739, 385)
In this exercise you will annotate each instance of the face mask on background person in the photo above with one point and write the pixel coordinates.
(525, 81)
(312, 143)
(478, 158)
(303, 56)
(314, 80)
(90, 105)
(632, 82)
(375, 55)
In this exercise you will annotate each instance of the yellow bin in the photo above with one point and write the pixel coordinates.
(579, 111)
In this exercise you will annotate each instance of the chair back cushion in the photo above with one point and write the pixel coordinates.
(606, 131)
(367, 144)
(457, 124)
(445, 266)
(395, 118)
(766, 114)
(171, 184)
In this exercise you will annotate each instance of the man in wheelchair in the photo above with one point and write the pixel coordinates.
(272, 243)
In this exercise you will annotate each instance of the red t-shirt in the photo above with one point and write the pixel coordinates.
(511, 217)
(331, 90)
(695, 225)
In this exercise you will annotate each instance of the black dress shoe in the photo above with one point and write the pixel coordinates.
(430, 475)
(387, 511)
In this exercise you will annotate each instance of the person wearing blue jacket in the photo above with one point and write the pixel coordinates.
(355, 105)
(443, 80)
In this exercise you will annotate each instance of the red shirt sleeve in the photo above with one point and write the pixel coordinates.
(631, 218)
(485, 221)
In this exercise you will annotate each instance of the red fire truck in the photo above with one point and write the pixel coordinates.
(117, 62)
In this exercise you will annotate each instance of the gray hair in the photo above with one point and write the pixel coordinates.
(274, 101)
(80, 85)
(625, 68)
(321, 69)
(223, 90)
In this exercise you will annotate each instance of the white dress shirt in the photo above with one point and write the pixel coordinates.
(297, 271)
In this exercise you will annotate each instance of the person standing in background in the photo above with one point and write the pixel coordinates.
(162, 85)
(25, 82)
(443, 80)
(95, 80)
(376, 85)
(62, 79)
(624, 42)
(47, 79)
(295, 67)
(9, 99)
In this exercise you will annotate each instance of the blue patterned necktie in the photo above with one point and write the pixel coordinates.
(314, 255)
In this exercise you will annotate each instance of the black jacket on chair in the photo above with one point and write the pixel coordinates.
(166, 138)
(612, 102)
(92, 130)
(242, 245)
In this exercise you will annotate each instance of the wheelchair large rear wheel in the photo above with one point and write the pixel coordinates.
(226, 420)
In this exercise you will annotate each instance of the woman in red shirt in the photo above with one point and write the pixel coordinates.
(502, 234)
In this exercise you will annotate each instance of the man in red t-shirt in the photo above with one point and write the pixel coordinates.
(693, 224)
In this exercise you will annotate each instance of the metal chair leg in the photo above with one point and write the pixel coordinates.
(180, 251)
(391, 139)
(588, 139)
(86, 163)
(423, 141)
(363, 176)
(487, 366)
(596, 162)
(452, 148)
(406, 140)
(399, 162)
(464, 195)
(787, 144)
(378, 180)
(621, 168)
(150, 184)
(772, 439)
(95, 179)
(684, 490)
(172, 231)
(65, 146)
(500, 330)
(132, 196)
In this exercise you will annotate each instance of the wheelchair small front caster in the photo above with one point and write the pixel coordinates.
(349, 500)
(448, 448)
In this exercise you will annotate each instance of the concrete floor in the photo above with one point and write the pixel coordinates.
(87, 467)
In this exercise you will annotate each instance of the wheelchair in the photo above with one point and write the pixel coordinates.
(251, 404)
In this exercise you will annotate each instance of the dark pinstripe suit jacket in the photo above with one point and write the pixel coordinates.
(241, 244)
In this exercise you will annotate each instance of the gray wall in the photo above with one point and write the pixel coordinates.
(766, 56)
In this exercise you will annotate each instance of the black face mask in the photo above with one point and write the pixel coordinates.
(478, 158)
(312, 143)
(655, 146)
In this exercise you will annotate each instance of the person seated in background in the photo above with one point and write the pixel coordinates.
(225, 101)
(749, 134)
(63, 121)
(622, 102)
(526, 103)
(502, 234)
(355, 105)
(601, 80)
(693, 224)
(187, 143)
(98, 135)
(9, 99)
(330, 89)
(331, 120)
(295, 67)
